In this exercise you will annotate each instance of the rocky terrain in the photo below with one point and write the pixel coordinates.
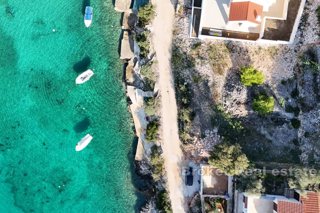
(221, 107)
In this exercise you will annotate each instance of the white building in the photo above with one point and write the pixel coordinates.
(255, 20)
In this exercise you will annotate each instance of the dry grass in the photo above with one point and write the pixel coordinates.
(219, 58)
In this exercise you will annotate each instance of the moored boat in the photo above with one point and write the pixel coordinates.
(83, 142)
(85, 76)
(88, 15)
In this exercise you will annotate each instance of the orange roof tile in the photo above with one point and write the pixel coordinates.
(245, 11)
(311, 202)
(289, 207)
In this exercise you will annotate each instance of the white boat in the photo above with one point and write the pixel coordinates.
(83, 142)
(88, 14)
(85, 76)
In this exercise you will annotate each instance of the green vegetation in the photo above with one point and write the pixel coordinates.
(163, 202)
(230, 128)
(196, 45)
(150, 106)
(162, 198)
(152, 130)
(214, 204)
(309, 60)
(263, 104)
(252, 183)
(157, 163)
(305, 179)
(318, 14)
(185, 114)
(282, 102)
(311, 64)
(181, 60)
(251, 76)
(149, 77)
(295, 93)
(143, 43)
(145, 15)
(197, 78)
(229, 159)
(291, 109)
(295, 123)
(218, 58)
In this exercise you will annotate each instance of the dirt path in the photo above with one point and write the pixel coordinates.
(162, 39)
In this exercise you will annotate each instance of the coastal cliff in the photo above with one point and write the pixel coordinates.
(137, 54)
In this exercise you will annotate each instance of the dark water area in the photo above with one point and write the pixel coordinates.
(82, 65)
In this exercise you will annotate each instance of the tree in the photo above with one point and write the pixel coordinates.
(145, 14)
(144, 43)
(252, 183)
(163, 202)
(157, 163)
(229, 159)
(152, 130)
(263, 104)
(251, 76)
(304, 179)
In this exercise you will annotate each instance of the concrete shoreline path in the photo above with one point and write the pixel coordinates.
(162, 29)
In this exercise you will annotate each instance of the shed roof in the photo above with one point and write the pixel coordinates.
(245, 11)
(289, 206)
(311, 202)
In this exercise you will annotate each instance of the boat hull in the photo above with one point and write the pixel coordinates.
(83, 143)
(87, 23)
(84, 77)
(88, 15)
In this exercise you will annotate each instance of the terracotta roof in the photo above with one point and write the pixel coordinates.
(311, 202)
(245, 11)
(289, 207)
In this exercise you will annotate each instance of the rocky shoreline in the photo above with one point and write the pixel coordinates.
(140, 87)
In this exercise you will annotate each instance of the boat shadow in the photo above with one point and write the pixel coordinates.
(82, 65)
(84, 4)
(82, 125)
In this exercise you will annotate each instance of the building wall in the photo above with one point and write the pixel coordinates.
(243, 26)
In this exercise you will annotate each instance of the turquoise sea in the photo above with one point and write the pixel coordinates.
(43, 47)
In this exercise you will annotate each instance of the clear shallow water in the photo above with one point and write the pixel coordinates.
(43, 47)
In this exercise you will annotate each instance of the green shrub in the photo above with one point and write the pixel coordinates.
(149, 77)
(296, 141)
(228, 127)
(295, 123)
(282, 102)
(152, 130)
(309, 60)
(318, 14)
(145, 15)
(196, 45)
(180, 59)
(147, 71)
(304, 180)
(157, 163)
(252, 183)
(263, 104)
(163, 202)
(185, 114)
(150, 106)
(251, 76)
(229, 159)
(291, 109)
(295, 93)
(144, 43)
